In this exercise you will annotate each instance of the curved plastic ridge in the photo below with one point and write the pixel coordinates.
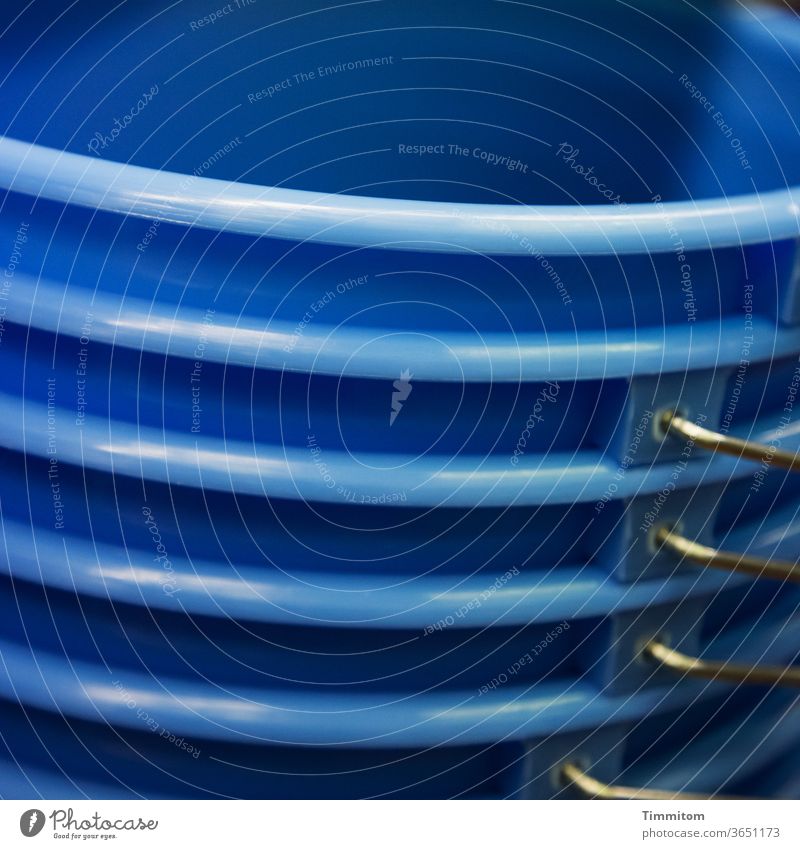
(401, 224)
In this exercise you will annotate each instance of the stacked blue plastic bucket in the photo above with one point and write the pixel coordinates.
(337, 345)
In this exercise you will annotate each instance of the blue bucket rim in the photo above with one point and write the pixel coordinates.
(317, 717)
(358, 221)
(277, 471)
(329, 599)
(433, 226)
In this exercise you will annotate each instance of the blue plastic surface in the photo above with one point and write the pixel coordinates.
(286, 585)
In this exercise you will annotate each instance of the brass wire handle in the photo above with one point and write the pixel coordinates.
(704, 555)
(675, 425)
(735, 673)
(572, 774)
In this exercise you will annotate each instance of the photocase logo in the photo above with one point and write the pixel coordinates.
(402, 389)
(65, 824)
(31, 822)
